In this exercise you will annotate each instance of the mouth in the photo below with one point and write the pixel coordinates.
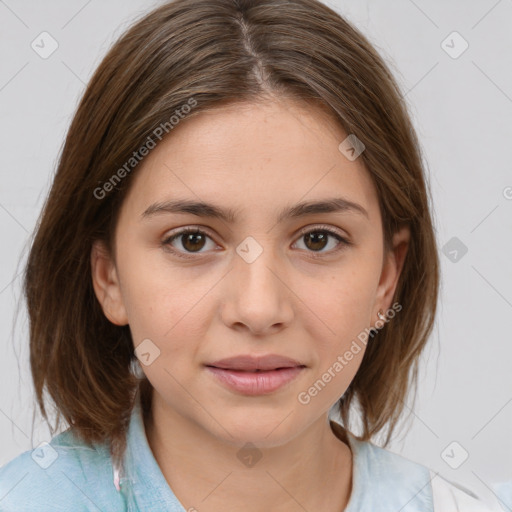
(255, 382)
(251, 363)
(257, 370)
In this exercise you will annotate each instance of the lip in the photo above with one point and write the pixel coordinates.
(251, 363)
(256, 375)
(259, 382)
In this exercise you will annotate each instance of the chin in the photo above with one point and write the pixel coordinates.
(263, 430)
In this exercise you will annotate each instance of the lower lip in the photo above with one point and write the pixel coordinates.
(256, 383)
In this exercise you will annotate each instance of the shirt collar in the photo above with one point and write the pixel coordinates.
(142, 481)
(381, 476)
(375, 474)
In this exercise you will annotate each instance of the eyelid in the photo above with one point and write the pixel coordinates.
(342, 239)
(323, 227)
(175, 233)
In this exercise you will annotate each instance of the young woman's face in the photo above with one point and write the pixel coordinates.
(250, 282)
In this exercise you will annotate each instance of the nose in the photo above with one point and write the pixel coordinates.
(257, 295)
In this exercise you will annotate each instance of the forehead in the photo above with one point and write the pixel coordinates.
(252, 156)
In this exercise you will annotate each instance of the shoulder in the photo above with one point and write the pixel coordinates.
(448, 495)
(382, 476)
(383, 481)
(58, 475)
(503, 491)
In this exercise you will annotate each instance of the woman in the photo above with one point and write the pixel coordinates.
(237, 242)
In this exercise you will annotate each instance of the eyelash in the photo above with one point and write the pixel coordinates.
(343, 242)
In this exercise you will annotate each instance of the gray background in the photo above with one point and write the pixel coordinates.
(462, 110)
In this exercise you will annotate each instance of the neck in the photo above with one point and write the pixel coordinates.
(312, 471)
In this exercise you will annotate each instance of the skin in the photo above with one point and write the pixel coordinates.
(257, 159)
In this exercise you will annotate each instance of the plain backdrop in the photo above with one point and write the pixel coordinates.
(461, 104)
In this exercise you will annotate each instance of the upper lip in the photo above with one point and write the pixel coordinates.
(248, 362)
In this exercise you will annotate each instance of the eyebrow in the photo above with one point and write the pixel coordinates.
(202, 209)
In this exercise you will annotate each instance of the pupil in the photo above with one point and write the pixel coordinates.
(193, 241)
(317, 238)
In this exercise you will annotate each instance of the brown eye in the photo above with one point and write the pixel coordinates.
(193, 241)
(316, 240)
(188, 240)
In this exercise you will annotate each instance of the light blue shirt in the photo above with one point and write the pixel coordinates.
(68, 475)
(504, 492)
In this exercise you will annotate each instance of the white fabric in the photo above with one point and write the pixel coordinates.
(452, 497)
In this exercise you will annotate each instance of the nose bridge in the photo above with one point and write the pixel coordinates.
(256, 266)
(258, 297)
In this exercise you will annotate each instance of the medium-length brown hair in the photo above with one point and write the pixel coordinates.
(216, 52)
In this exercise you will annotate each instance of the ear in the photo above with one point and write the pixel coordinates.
(106, 284)
(391, 269)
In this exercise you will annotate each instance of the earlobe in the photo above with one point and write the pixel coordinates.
(106, 284)
(392, 268)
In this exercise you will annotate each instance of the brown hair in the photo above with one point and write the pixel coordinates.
(216, 52)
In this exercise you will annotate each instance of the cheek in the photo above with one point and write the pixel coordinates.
(165, 305)
(157, 296)
(342, 311)
(339, 314)
(342, 303)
